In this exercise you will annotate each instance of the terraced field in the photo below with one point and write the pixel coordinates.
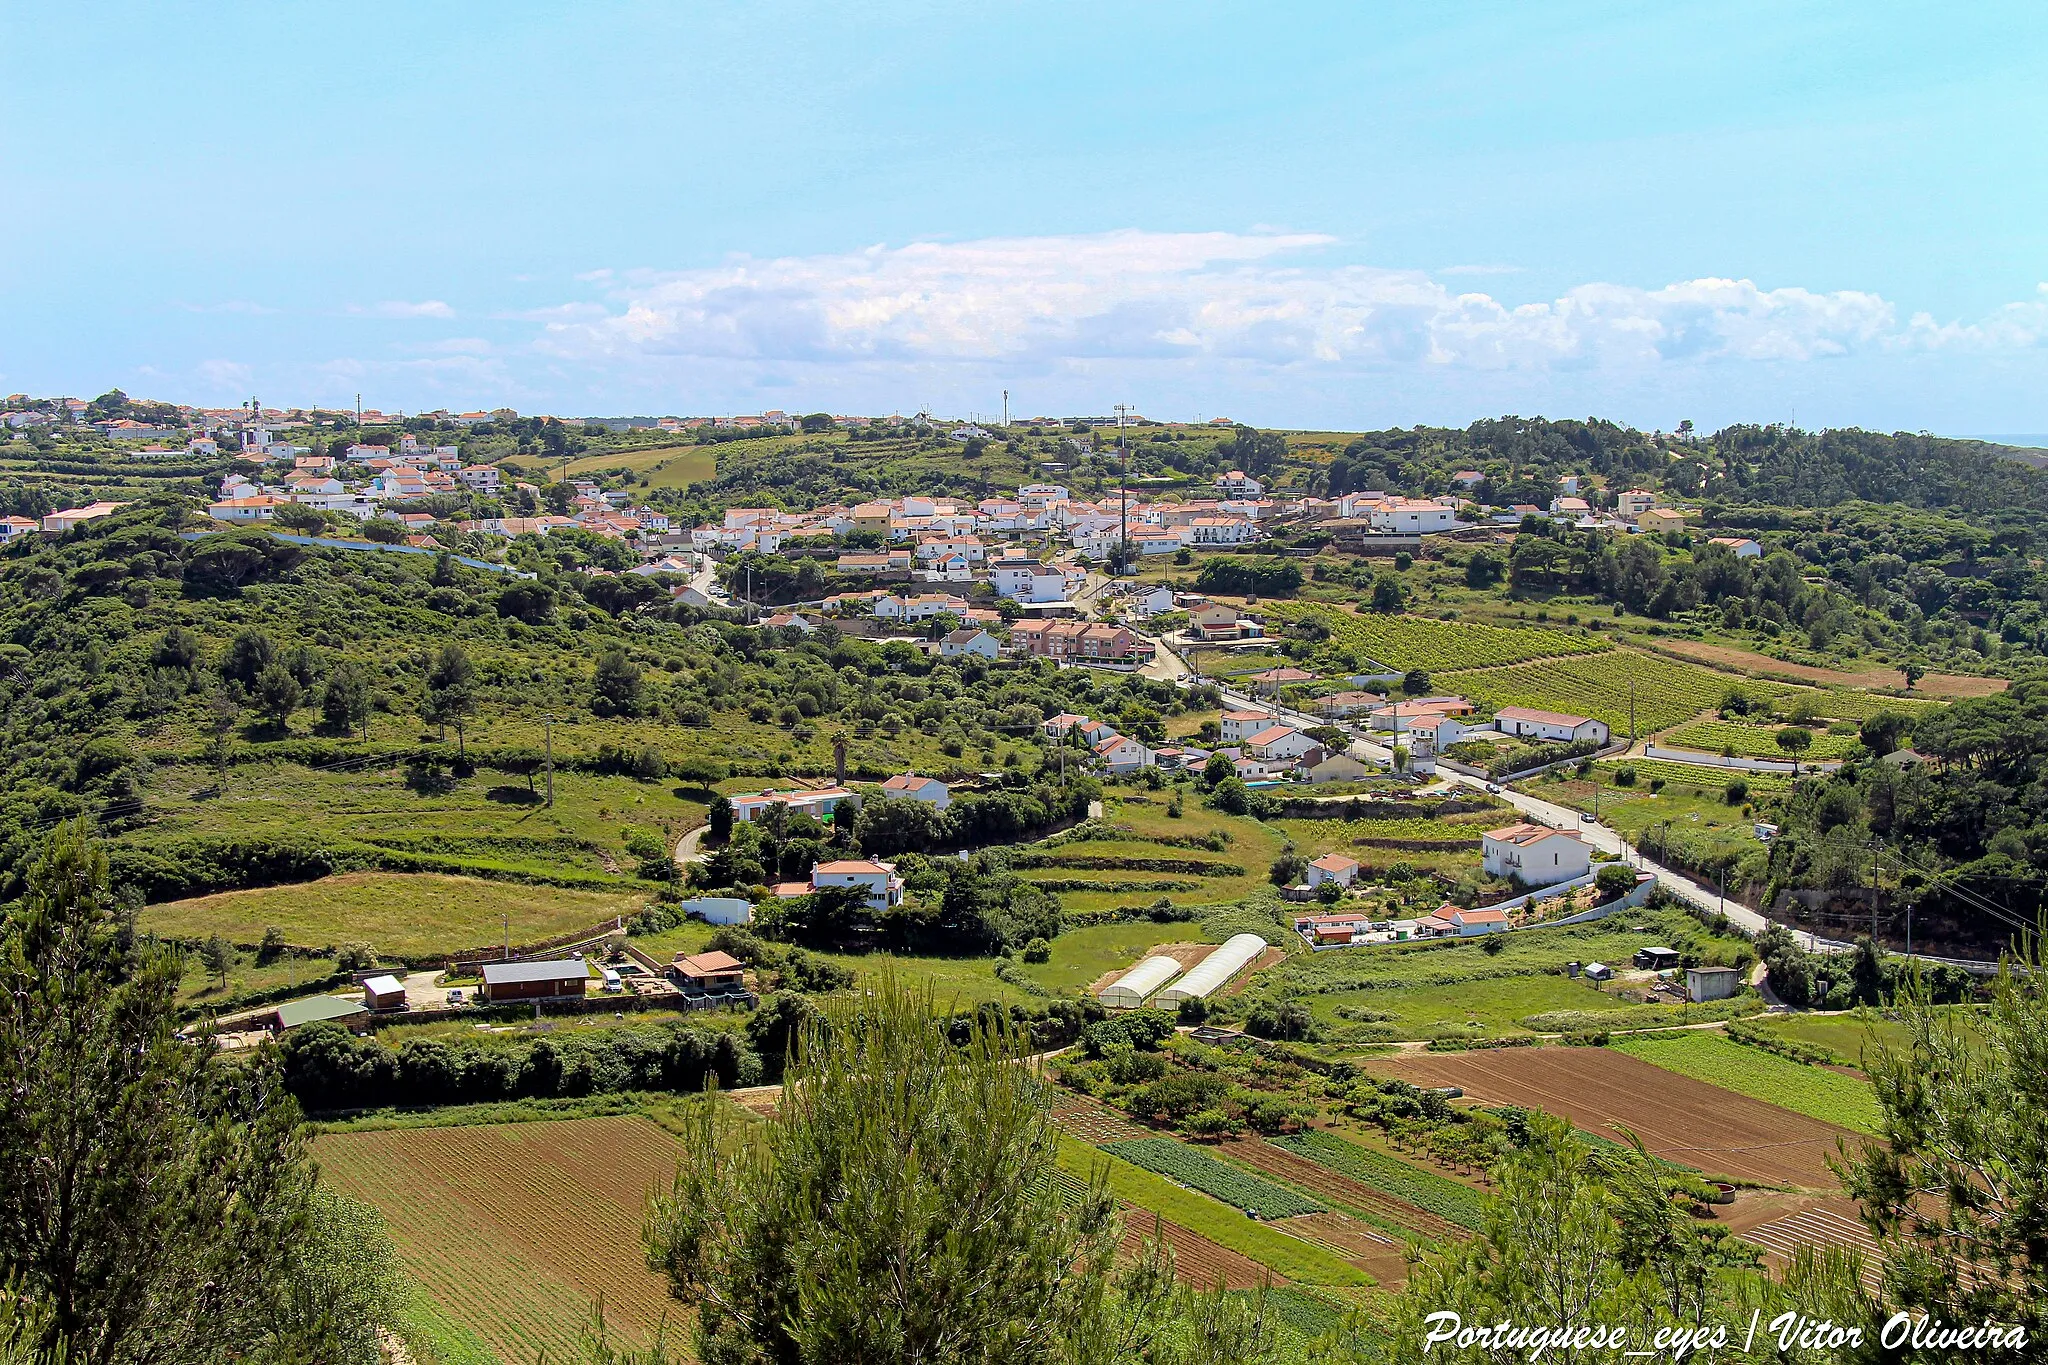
(1403, 641)
(516, 1229)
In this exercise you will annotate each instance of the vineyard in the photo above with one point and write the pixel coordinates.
(1752, 741)
(517, 1229)
(1666, 693)
(1405, 642)
(1219, 1180)
(1447, 1199)
(1813, 1091)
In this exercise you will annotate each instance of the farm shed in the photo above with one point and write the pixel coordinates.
(293, 1013)
(1128, 991)
(384, 993)
(1599, 971)
(1216, 970)
(1711, 983)
(535, 980)
(1656, 959)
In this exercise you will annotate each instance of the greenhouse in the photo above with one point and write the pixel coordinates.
(1128, 991)
(1216, 970)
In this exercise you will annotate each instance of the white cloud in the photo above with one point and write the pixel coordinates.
(1243, 300)
(223, 374)
(399, 308)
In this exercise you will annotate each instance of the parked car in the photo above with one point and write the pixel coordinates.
(1493, 787)
(455, 996)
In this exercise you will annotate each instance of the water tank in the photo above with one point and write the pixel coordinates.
(1128, 991)
(1216, 970)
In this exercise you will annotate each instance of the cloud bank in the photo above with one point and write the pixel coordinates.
(1240, 300)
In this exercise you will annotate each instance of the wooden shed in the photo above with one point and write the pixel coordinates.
(382, 993)
(535, 980)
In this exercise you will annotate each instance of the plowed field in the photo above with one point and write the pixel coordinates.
(517, 1229)
(1678, 1118)
(1196, 1259)
(1319, 1179)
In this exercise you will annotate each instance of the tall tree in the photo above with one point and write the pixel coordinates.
(345, 699)
(154, 1197)
(896, 1208)
(1956, 1189)
(452, 693)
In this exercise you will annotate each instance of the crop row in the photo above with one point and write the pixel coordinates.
(1666, 693)
(1813, 1091)
(1447, 1199)
(1219, 1180)
(1418, 642)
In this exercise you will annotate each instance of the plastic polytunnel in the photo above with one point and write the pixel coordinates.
(1215, 970)
(1128, 991)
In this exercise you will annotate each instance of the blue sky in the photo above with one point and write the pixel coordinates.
(1339, 215)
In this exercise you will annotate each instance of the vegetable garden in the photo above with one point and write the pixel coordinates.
(1813, 1091)
(516, 1230)
(1217, 1179)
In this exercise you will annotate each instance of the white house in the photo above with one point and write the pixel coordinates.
(1122, 754)
(1333, 867)
(13, 527)
(819, 805)
(1555, 727)
(965, 641)
(1741, 546)
(1028, 581)
(1281, 742)
(1412, 516)
(1535, 854)
(1633, 503)
(1237, 725)
(879, 880)
(1473, 923)
(261, 507)
(1221, 531)
(1143, 602)
(1238, 484)
(911, 787)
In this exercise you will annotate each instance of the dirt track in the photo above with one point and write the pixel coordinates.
(1679, 1118)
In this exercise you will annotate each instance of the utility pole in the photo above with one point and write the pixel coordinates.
(1123, 444)
(1006, 409)
(548, 729)
(1875, 846)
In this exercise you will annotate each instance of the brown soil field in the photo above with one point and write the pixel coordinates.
(1748, 661)
(517, 1229)
(1196, 1259)
(1319, 1179)
(1360, 1243)
(1678, 1118)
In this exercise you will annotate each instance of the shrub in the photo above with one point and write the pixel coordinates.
(1037, 950)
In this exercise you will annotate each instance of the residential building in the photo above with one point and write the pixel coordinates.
(1570, 507)
(1742, 547)
(13, 527)
(1339, 768)
(1402, 716)
(709, 972)
(260, 507)
(1333, 867)
(819, 805)
(1028, 580)
(964, 641)
(1221, 531)
(911, 787)
(1238, 484)
(1220, 621)
(1238, 725)
(1473, 923)
(789, 620)
(1342, 704)
(1059, 726)
(1122, 754)
(1468, 479)
(58, 522)
(1412, 516)
(1633, 503)
(1658, 520)
(1277, 742)
(1552, 727)
(1535, 854)
(478, 478)
(884, 888)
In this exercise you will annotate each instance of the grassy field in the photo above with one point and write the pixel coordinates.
(1278, 1252)
(675, 466)
(1081, 955)
(489, 823)
(515, 1230)
(1495, 1007)
(1813, 1091)
(1238, 870)
(404, 914)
